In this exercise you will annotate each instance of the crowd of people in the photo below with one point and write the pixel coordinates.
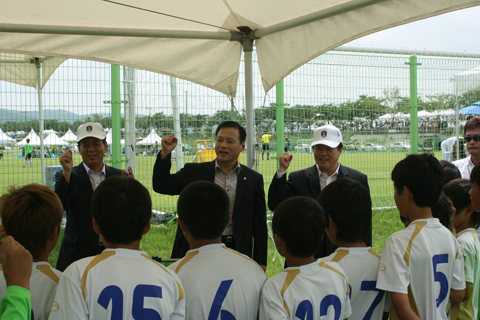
(322, 226)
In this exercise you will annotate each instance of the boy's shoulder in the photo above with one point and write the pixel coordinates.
(219, 255)
(349, 253)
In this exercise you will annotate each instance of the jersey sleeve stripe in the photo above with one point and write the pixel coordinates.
(46, 270)
(181, 293)
(245, 257)
(186, 259)
(418, 227)
(374, 253)
(339, 255)
(474, 235)
(291, 274)
(102, 256)
(324, 265)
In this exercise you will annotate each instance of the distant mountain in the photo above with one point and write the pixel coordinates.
(48, 114)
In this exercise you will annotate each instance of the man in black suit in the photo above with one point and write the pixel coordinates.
(75, 186)
(247, 232)
(327, 147)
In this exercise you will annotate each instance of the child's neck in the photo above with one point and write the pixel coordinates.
(464, 225)
(417, 213)
(195, 244)
(298, 262)
(135, 245)
(344, 244)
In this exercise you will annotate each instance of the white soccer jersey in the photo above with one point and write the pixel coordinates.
(419, 261)
(43, 285)
(361, 268)
(220, 281)
(468, 240)
(118, 284)
(318, 289)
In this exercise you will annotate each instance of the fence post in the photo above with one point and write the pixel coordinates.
(116, 115)
(413, 105)
(280, 120)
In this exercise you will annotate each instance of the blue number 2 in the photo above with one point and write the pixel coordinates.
(440, 276)
(216, 308)
(305, 308)
(372, 286)
(115, 294)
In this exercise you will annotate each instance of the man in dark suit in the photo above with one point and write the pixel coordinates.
(327, 147)
(75, 186)
(247, 232)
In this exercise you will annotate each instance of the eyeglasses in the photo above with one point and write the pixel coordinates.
(475, 138)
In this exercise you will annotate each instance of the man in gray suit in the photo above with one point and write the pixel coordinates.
(327, 148)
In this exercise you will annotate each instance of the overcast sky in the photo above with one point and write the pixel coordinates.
(458, 30)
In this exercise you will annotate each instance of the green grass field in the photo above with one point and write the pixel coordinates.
(159, 241)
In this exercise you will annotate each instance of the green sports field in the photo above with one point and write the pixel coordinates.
(159, 241)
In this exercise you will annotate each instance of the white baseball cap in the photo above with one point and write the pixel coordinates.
(90, 129)
(328, 135)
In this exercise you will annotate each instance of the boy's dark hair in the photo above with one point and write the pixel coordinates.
(475, 175)
(300, 222)
(423, 175)
(122, 208)
(471, 124)
(30, 214)
(204, 207)
(235, 125)
(28, 141)
(349, 205)
(450, 170)
(441, 210)
(458, 191)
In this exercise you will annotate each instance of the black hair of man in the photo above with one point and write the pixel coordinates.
(475, 175)
(441, 210)
(122, 208)
(300, 222)
(451, 171)
(458, 191)
(423, 175)
(349, 205)
(235, 125)
(471, 124)
(204, 207)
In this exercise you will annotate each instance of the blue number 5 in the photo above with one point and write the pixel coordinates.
(215, 310)
(440, 276)
(372, 286)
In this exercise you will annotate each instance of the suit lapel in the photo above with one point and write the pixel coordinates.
(242, 184)
(313, 181)
(342, 172)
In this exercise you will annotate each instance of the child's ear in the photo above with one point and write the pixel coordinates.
(55, 233)
(277, 240)
(182, 225)
(469, 210)
(96, 228)
(147, 228)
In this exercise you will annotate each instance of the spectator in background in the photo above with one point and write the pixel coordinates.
(28, 153)
(471, 134)
(266, 145)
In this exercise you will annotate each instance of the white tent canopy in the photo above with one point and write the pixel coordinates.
(4, 138)
(151, 139)
(202, 50)
(109, 137)
(34, 139)
(53, 140)
(69, 136)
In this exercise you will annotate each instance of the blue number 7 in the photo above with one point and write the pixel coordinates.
(215, 310)
(372, 286)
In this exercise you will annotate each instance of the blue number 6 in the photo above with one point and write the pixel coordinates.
(440, 276)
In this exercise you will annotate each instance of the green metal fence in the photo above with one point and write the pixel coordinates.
(366, 95)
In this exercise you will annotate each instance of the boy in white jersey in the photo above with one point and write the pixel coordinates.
(121, 282)
(308, 288)
(348, 224)
(32, 215)
(465, 223)
(217, 280)
(418, 262)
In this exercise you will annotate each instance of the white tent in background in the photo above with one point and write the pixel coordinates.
(425, 114)
(4, 138)
(34, 139)
(109, 138)
(151, 139)
(69, 136)
(48, 131)
(401, 115)
(53, 140)
(386, 116)
(444, 113)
